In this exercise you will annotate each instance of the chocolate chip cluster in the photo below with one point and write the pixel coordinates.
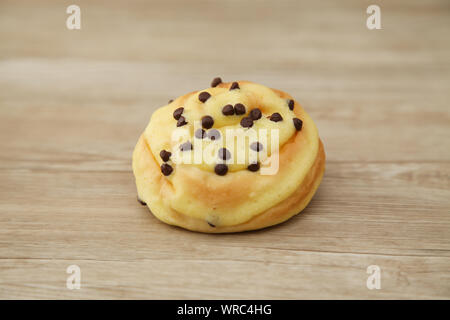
(208, 132)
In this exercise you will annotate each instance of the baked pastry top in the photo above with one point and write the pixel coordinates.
(233, 157)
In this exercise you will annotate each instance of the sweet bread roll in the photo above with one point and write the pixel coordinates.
(233, 157)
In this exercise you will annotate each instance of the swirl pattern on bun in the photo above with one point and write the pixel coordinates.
(234, 157)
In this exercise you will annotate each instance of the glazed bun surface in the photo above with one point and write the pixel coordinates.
(234, 157)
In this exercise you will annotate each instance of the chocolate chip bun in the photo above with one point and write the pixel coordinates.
(233, 157)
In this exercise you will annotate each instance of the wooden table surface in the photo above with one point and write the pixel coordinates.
(73, 103)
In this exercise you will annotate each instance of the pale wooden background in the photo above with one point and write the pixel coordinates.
(73, 103)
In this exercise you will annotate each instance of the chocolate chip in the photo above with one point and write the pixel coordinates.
(224, 154)
(204, 96)
(216, 82)
(298, 124)
(171, 100)
(214, 134)
(186, 146)
(166, 169)
(239, 108)
(276, 117)
(140, 201)
(253, 167)
(228, 110)
(247, 122)
(200, 133)
(177, 113)
(207, 122)
(221, 169)
(255, 114)
(234, 85)
(256, 146)
(291, 104)
(165, 155)
(181, 121)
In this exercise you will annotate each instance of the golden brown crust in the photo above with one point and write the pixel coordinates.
(275, 215)
(197, 199)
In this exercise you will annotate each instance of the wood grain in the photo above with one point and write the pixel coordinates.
(73, 103)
